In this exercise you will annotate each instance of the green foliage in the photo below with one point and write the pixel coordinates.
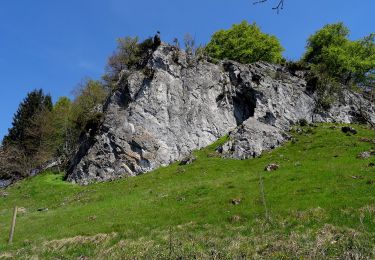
(42, 131)
(335, 62)
(294, 66)
(245, 43)
(329, 35)
(346, 61)
(89, 96)
(64, 128)
(327, 89)
(40, 138)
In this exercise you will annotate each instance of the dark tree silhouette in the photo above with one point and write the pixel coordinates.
(33, 104)
(278, 7)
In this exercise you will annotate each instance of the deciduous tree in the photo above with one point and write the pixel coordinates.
(245, 43)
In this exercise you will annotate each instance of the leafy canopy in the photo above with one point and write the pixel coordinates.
(245, 43)
(89, 96)
(330, 50)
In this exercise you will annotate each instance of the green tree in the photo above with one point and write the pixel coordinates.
(14, 163)
(346, 61)
(124, 57)
(63, 126)
(89, 96)
(35, 102)
(40, 138)
(245, 43)
(25, 146)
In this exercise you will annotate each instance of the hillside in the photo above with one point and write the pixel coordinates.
(174, 105)
(319, 203)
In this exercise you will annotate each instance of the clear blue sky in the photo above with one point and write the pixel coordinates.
(55, 44)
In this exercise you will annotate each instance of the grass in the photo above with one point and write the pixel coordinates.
(320, 204)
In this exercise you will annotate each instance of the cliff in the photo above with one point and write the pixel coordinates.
(176, 104)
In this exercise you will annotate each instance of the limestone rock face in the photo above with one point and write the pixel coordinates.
(176, 105)
(251, 139)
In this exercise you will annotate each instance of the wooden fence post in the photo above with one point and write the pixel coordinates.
(11, 233)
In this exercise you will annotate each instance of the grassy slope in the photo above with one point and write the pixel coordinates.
(316, 207)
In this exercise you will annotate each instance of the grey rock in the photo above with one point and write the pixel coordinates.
(3, 194)
(367, 140)
(155, 119)
(5, 183)
(235, 218)
(49, 165)
(252, 138)
(366, 155)
(272, 167)
(188, 160)
(236, 201)
(21, 210)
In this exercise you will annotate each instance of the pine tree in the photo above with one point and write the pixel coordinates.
(35, 102)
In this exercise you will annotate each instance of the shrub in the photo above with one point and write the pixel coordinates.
(245, 43)
(294, 66)
(303, 122)
(130, 55)
(89, 96)
(327, 89)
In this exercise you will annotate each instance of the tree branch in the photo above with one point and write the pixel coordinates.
(279, 6)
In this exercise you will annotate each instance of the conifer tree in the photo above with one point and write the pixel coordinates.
(34, 103)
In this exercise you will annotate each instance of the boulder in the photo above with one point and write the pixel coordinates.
(348, 130)
(272, 167)
(5, 183)
(236, 201)
(188, 160)
(366, 154)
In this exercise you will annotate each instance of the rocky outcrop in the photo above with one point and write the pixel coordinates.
(282, 100)
(251, 139)
(175, 105)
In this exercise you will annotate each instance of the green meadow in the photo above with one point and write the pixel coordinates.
(319, 204)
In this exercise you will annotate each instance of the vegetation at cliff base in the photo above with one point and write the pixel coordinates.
(42, 131)
(318, 204)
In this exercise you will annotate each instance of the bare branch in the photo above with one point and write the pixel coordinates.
(259, 2)
(279, 6)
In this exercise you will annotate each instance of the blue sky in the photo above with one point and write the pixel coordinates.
(54, 44)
